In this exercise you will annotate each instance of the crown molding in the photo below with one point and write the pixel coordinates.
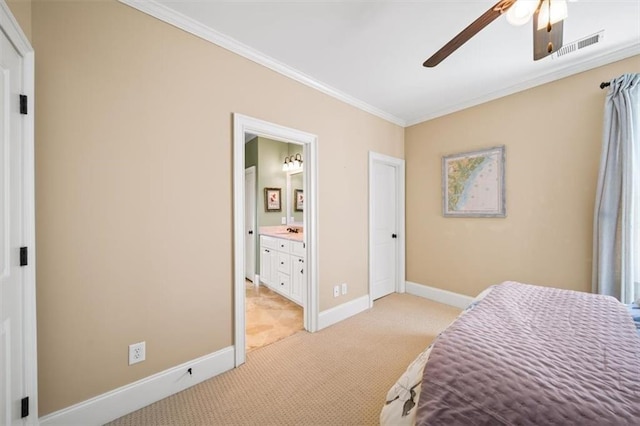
(557, 74)
(170, 16)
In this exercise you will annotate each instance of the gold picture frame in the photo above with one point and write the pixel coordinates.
(272, 200)
(298, 200)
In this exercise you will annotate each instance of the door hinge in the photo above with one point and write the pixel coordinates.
(23, 104)
(25, 407)
(24, 256)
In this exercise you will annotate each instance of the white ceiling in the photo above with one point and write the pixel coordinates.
(370, 53)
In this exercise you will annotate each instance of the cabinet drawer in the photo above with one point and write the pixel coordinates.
(283, 245)
(284, 262)
(284, 284)
(297, 248)
(269, 242)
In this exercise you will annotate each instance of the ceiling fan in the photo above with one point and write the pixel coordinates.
(548, 17)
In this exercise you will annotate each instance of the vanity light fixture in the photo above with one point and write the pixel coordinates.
(291, 163)
(287, 163)
(297, 161)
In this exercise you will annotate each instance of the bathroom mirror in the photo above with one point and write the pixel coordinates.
(295, 185)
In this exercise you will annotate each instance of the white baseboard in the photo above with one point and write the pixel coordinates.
(438, 295)
(118, 402)
(342, 312)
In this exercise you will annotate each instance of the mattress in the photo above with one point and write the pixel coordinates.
(401, 400)
(575, 354)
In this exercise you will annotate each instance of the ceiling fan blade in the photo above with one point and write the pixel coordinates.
(546, 40)
(485, 19)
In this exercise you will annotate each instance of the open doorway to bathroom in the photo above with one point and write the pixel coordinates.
(275, 251)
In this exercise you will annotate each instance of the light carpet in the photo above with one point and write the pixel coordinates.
(337, 376)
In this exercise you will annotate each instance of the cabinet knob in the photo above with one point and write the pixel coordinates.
(282, 263)
(302, 271)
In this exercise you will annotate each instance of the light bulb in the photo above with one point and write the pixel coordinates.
(287, 164)
(557, 9)
(521, 11)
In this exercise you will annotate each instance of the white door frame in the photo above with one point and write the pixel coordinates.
(243, 124)
(398, 165)
(15, 34)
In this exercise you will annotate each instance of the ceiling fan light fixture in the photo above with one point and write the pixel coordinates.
(551, 12)
(521, 11)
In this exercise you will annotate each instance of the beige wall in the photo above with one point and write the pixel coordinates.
(134, 194)
(134, 191)
(552, 135)
(21, 10)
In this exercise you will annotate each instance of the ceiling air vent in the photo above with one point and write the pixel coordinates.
(574, 46)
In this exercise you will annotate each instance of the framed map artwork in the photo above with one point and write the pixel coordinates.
(473, 184)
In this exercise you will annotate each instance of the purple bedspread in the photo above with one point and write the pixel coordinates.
(528, 355)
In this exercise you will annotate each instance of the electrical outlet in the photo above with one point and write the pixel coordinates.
(344, 288)
(137, 353)
(336, 291)
(283, 220)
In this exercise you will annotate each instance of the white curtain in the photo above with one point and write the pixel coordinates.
(616, 248)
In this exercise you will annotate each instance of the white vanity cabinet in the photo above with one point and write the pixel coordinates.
(297, 278)
(282, 266)
(268, 261)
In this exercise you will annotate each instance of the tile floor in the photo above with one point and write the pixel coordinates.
(270, 317)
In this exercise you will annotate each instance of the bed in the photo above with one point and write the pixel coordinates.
(526, 355)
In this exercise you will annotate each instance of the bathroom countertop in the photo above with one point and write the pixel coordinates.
(281, 232)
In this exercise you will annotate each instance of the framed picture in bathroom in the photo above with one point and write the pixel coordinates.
(298, 196)
(272, 200)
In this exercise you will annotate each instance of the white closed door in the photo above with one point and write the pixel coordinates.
(250, 222)
(12, 289)
(384, 244)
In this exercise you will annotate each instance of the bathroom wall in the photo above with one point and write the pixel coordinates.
(270, 175)
(251, 153)
(271, 156)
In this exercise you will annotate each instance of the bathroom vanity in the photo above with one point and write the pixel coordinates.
(282, 256)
